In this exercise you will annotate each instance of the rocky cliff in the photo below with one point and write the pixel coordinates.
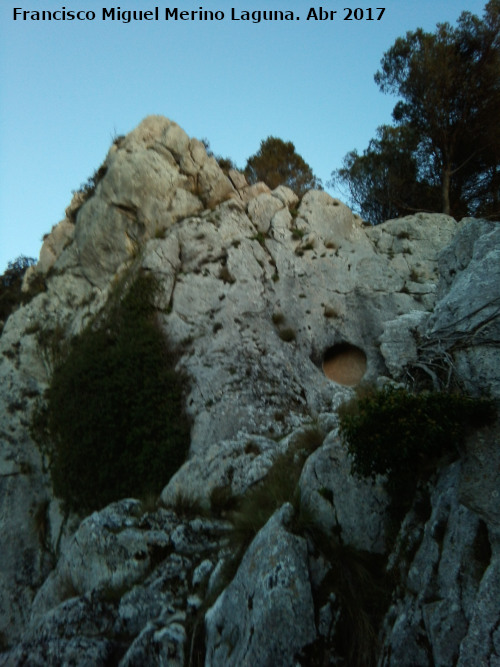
(277, 309)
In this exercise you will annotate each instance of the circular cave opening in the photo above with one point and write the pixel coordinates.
(345, 364)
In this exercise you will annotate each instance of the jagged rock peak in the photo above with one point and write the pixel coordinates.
(150, 179)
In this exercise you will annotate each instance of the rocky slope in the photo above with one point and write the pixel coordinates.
(277, 308)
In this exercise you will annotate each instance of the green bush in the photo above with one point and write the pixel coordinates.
(115, 408)
(404, 435)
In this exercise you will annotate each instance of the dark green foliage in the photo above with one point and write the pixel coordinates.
(225, 163)
(444, 152)
(52, 344)
(15, 271)
(449, 82)
(222, 500)
(277, 163)
(115, 408)
(10, 286)
(260, 237)
(386, 181)
(185, 505)
(405, 435)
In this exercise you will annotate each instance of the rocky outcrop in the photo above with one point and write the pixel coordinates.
(261, 294)
(266, 614)
(448, 565)
(354, 509)
(465, 323)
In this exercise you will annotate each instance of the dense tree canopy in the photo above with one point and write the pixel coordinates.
(384, 182)
(277, 163)
(447, 133)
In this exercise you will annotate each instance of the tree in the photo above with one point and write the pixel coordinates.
(277, 163)
(450, 85)
(385, 181)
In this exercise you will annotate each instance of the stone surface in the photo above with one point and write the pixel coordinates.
(266, 614)
(352, 509)
(54, 243)
(466, 320)
(255, 288)
(398, 342)
(479, 488)
(436, 620)
(261, 211)
(233, 465)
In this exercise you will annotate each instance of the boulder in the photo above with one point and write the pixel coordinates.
(261, 211)
(398, 342)
(266, 614)
(53, 244)
(353, 510)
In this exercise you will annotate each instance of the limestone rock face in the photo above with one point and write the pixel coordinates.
(266, 615)
(260, 294)
(398, 342)
(466, 318)
(446, 615)
(343, 504)
(53, 245)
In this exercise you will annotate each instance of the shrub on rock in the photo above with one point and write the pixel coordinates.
(115, 408)
(404, 435)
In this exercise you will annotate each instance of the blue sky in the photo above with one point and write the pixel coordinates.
(67, 87)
